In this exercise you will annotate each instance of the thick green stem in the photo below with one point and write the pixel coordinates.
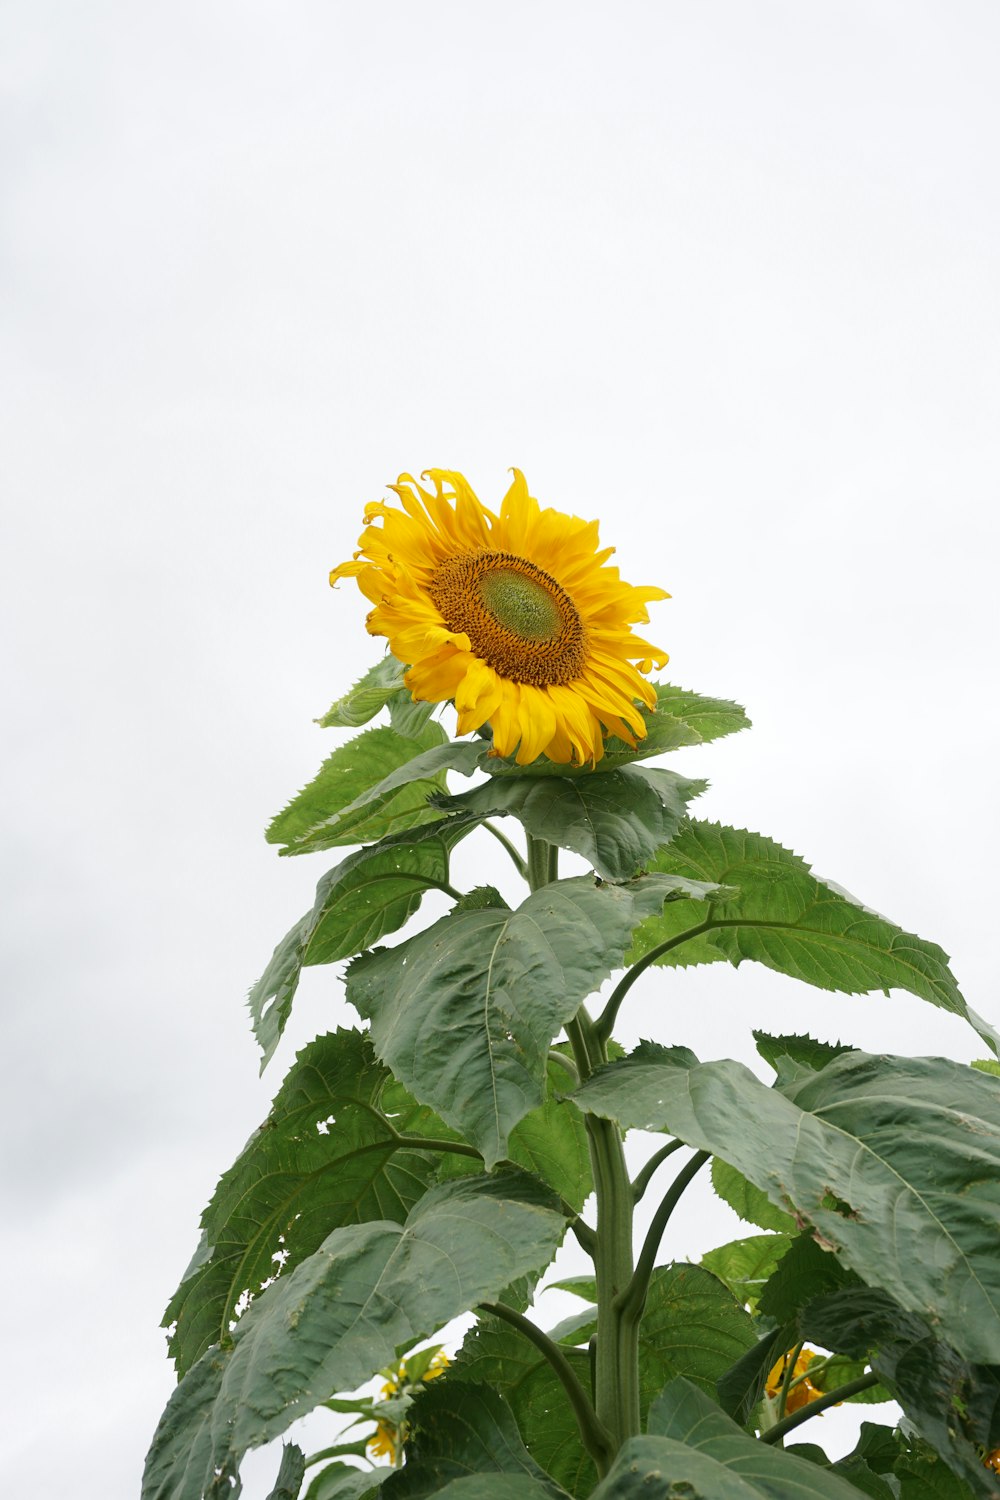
(616, 1356)
(543, 862)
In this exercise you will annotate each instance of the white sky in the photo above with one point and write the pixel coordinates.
(724, 275)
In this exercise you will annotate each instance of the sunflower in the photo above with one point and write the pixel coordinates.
(516, 617)
(801, 1390)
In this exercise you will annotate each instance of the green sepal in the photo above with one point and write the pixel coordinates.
(369, 695)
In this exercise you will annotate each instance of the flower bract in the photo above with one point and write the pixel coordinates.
(516, 616)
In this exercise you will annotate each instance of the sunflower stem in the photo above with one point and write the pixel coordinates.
(616, 1358)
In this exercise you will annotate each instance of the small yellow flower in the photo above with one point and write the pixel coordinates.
(515, 616)
(389, 1437)
(801, 1390)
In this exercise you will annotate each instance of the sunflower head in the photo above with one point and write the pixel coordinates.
(515, 615)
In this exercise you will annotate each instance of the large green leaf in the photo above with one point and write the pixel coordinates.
(367, 697)
(745, 1265)
(694, 1449)
(616, 820)
(342, 805)
(457, 1428)
(298, 1178)
(953, 1403)
(781, 915)
(372, 892)
(893, 1162)
(341, 1315)
(464, 1012)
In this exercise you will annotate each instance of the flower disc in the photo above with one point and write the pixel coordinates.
(516, 616)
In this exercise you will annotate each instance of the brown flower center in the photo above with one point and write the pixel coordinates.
(520, 622)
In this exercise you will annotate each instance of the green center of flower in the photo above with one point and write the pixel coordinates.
(519, 620)
(520, 604)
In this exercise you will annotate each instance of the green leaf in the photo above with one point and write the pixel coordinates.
(987, 1065)
(298, 1178)
(924, 1475)
(372, 892)
(464, 1012)
(750, 1203)
(495, 1355)
(551, 1142)
(892, 1162)
(367, 697)
(290, 1474)
(784, 917)
(954, 1404)
(693, 1448)
(805, 1053)
(615, 819)
(341, 1315)
(740, 1389)
(806, 1272)
(745, 1265)
(692, 1325)
(680, 718)
(343, 803)
(341, 1482)
(456, 1428)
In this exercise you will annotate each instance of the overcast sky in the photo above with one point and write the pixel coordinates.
(724, 275)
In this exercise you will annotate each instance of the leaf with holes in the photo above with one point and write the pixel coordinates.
(325, 1156)
(892, 1162)
(341, 1315)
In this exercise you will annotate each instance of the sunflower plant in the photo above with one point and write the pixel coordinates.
(429, 1163)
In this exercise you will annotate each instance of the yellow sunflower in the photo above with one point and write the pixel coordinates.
(516, 617)
(801, 1389)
